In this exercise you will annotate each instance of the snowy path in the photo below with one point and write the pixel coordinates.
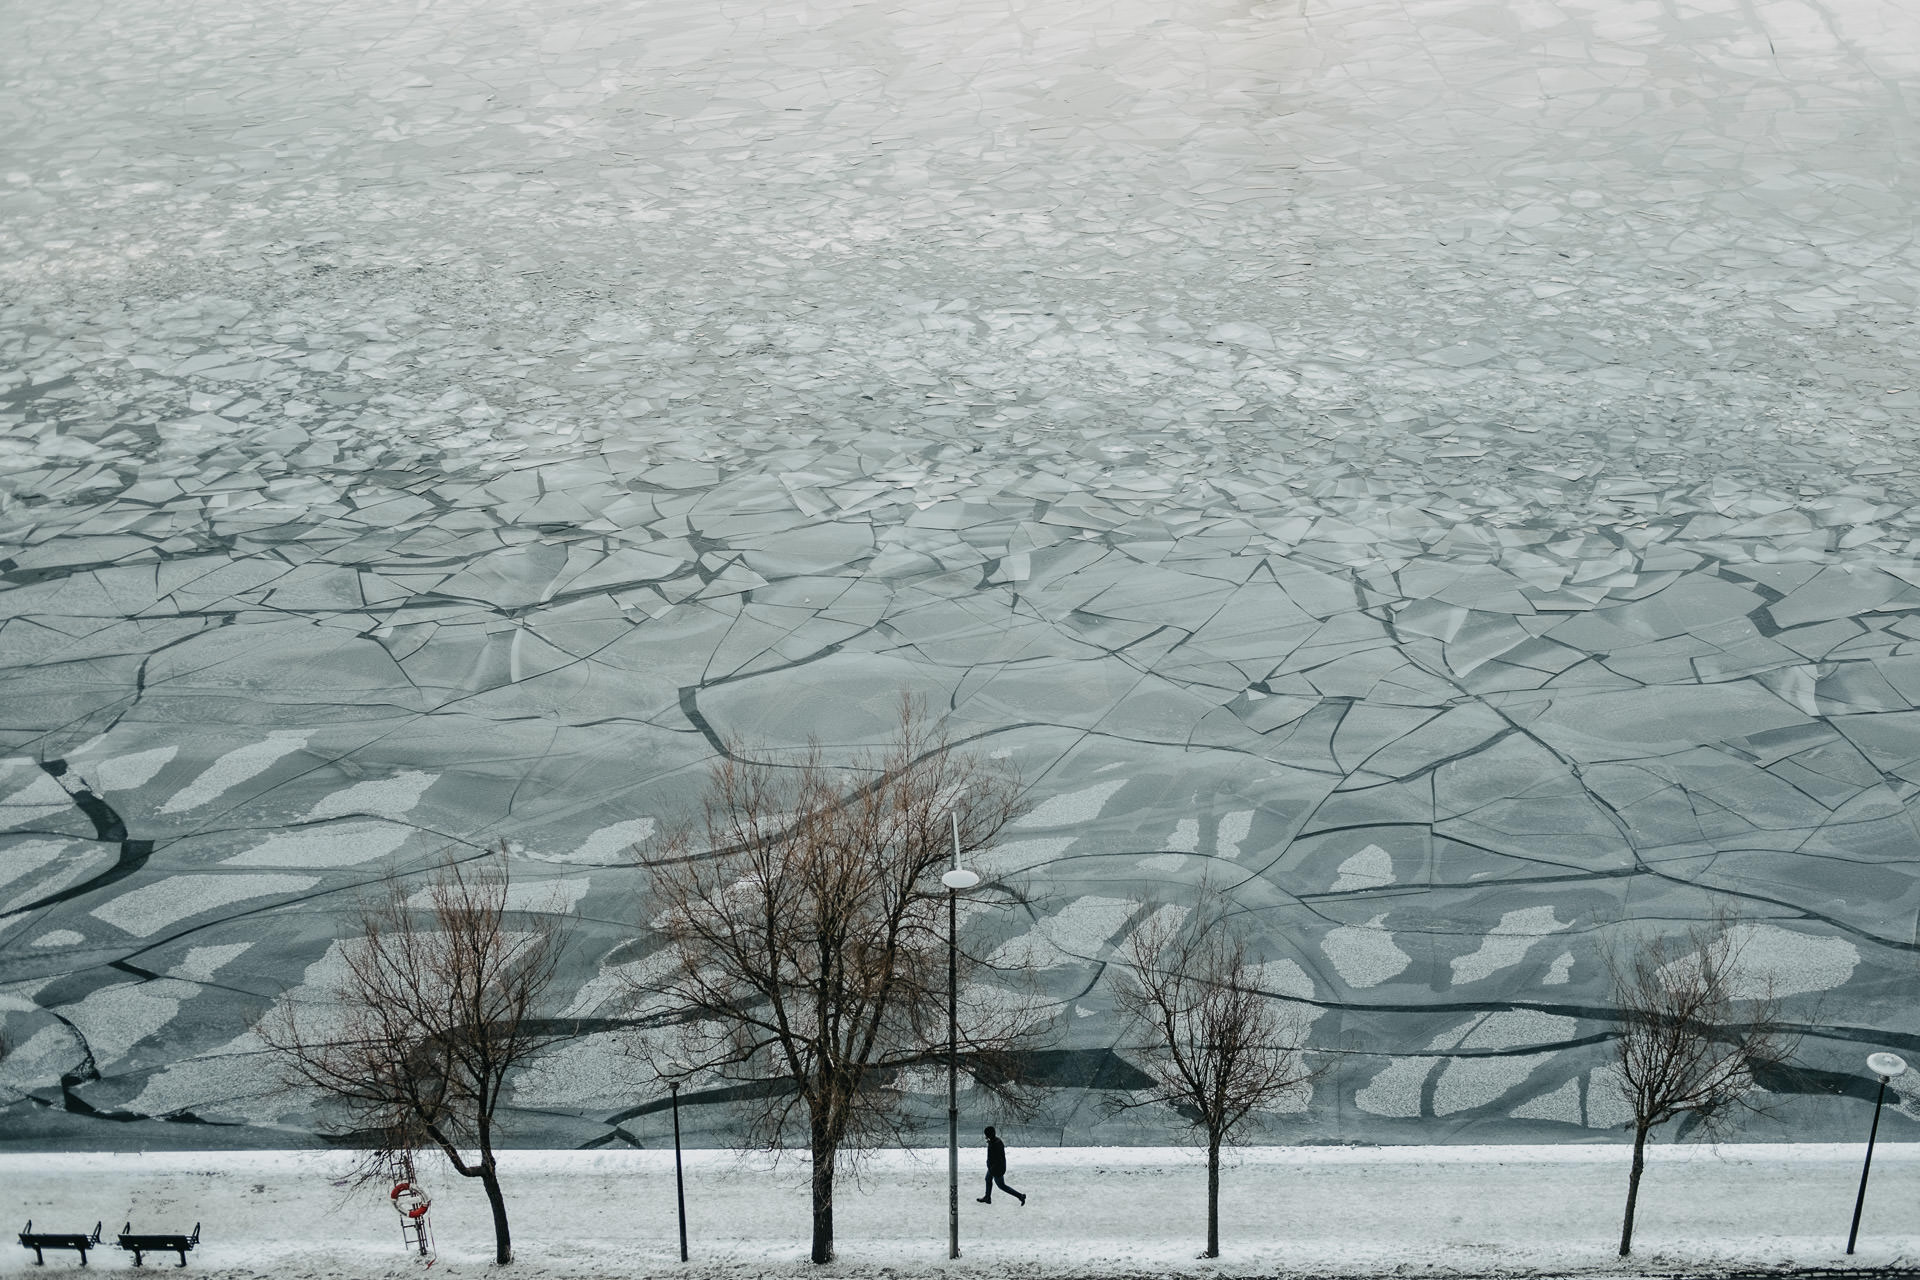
(1446, 471)
(1092, 1212)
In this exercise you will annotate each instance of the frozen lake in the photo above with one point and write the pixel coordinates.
(1444, 472)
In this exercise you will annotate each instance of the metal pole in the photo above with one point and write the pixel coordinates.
(1860, 1201)
(679, 1180)
(953, 1052)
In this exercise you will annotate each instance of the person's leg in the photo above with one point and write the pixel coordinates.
(1009, 1190)
(988, 1197)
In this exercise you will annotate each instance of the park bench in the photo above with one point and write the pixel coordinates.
(158, 1242)
(42, 1240)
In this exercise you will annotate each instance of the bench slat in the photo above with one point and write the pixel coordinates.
(38, 1241)
(140, 1245)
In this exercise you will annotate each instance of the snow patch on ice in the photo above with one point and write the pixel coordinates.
(201, 963)
(1233, 832)
(1165, 919)
(551, 897)
(1020, 855)
(1792, 962)
(1395, 1091)
(608, 844)
(1474, 1082)
(152, 907)
(1509, 1028)
(1365, 955)
(1291, 983)
(234, 768)
(987, 1003)
(1560, 1104)
(39, 1062)
(1767, 958)
(1083, 805)
(1606, 1102)
(41, 797)
(556, 897)
(128, 773)
(239, 1081)
(596, 1067)
(346, 845)
(615, 983)
(1075, 933)
(114, 1019)
(1283, 977)
(382, 797)
(28, 856)
(77, 859)
(1507, 943)
(1371, 868)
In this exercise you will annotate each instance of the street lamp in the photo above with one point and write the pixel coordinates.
(956, 880)
(1886, 1066)
(679, 1180)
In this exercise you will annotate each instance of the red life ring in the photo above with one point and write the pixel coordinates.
(404, 1192)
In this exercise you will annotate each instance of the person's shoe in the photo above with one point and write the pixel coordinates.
(1023, 1202)
(981, 1200)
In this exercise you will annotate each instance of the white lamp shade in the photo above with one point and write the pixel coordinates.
(1886, 1064)
(959, 878)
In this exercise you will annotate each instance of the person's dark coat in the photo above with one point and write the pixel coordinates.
(997, 1169)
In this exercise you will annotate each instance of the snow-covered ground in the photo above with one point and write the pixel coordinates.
(1518, 1210)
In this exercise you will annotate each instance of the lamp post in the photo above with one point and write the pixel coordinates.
(679, 1180)
(956, 879)
(1886, 1066)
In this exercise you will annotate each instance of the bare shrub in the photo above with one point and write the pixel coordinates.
(437, 1007)
(1693, 1031)
(1219, 1050)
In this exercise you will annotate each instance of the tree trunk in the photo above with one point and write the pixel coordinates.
(502, 1238)
(823, 1153)
(1213, 1197)
(1633, 1188)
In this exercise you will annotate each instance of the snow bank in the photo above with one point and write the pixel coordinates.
(1502, 1211)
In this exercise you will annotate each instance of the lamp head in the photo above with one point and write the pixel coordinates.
(959, 878)
(1888, 1065)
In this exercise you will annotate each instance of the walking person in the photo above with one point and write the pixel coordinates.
(997, 1168)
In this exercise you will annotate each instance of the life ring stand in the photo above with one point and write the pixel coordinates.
(408, 1200)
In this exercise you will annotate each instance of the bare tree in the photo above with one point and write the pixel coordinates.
(437, 1006)
(1693, 1030)
(1219, 1050)
(808, 931)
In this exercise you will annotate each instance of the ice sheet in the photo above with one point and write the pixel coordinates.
(1442, 477)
